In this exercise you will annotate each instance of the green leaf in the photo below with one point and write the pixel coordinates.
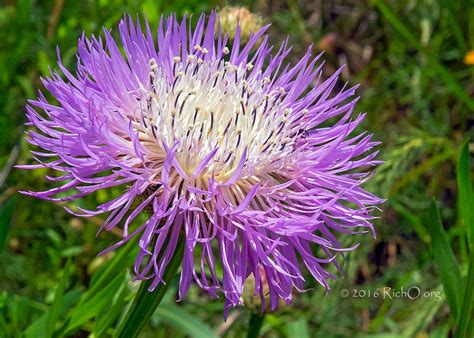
(106, 321)
(6, 212)
(72, 251)
(298, 328)
(440, 332)
(38, 328)
(145, 302)
(413, 219)
(19, 309)
(95, 304)
(466, 203)
(466, 310)
(53, 313)
(115, 266)
(382, 335)
(446, 262)
(422, 313)
(184, 322)
(453, 23)
(104, 285)
(465, 198)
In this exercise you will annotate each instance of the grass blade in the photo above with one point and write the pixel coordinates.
(445, 261)
(437, 68)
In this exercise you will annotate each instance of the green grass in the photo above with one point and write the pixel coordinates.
(408, 57)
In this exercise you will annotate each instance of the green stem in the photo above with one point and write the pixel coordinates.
(145, 302)
(256, 322)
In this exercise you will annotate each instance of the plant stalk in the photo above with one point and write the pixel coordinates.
(256, 322)
(145, 302)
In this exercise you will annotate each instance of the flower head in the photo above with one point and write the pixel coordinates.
(252, 161)
(469, 58)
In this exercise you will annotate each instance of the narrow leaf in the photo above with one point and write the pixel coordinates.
(413, 219)
(37, 329)
(446, 262)
(298, 328)
(465, 198)
(184, 322)
(94, 305)
(54, 312)
(466, 204)
(117, 265)
(466, 311)
(145, 302)
(113, 312)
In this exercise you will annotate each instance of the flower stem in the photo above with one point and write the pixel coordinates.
(256, 322)
(145, 302)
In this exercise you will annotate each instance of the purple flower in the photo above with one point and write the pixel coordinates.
(254, 162)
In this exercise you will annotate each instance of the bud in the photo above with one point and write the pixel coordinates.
(328, 42)
(76, 224)
(252, 300)
(249, 22)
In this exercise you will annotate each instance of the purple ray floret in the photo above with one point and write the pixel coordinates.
(254, 162)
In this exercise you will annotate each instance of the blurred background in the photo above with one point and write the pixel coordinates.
(414, 62)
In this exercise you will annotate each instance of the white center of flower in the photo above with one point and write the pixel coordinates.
(216, 106)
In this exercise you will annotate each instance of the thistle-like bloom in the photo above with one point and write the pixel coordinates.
(252, 161)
